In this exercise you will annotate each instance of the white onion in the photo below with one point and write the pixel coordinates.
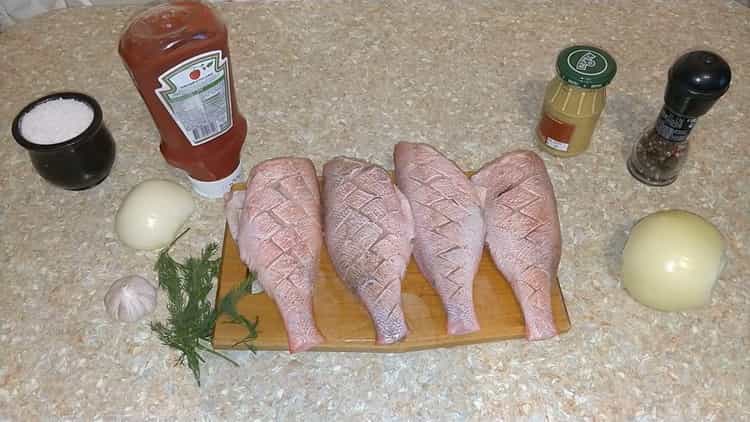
(672, 260)
(152, 213)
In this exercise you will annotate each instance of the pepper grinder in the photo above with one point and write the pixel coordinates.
(696, 81)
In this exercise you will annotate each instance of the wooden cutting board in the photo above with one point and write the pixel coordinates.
(345, 324)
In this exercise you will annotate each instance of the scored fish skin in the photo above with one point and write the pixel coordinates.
(523, 233)
(368, 232)
(279, 236)
(449, 228)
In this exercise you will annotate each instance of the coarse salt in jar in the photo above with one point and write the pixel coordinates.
(574, 100)
(67, 139)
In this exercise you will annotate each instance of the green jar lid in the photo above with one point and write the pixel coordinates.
(586, 67)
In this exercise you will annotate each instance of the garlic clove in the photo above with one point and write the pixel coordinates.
(130, 299)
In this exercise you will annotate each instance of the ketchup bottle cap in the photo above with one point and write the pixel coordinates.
(216, 188)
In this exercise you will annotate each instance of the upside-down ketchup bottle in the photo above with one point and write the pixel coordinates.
(178, 58)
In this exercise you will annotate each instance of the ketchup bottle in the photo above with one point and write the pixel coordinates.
(178, 58)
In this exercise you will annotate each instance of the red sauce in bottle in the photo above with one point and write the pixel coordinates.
(178, 58)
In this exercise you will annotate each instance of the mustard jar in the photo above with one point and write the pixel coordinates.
(574, 100)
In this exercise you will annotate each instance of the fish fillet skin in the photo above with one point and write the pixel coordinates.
(523, 233)
(449, 228)
(368, 232)
(279, 236)
(233, 203)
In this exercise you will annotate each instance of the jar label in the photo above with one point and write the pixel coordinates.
(196, 94)
(554, 133)
(673, 127)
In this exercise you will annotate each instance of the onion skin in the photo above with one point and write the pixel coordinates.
(672, 260)
(152, 213)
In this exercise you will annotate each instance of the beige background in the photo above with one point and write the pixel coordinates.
(12, 11)
(320, 78)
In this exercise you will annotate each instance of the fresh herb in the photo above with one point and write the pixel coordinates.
(192, 318)
(228, 306)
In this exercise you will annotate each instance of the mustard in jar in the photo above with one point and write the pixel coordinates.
(574, 100)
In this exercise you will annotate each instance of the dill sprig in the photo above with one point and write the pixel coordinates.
(192, 317)
(228, 306)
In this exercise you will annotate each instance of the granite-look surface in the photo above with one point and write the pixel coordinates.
(319, 79)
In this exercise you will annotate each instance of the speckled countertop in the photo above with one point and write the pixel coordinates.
(318, 79)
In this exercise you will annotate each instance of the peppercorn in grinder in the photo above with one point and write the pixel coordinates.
(696, 80)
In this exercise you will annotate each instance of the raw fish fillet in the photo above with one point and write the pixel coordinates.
(233, 203)
(523, 233)
(369, 231)
(449, 228)
(277, 227)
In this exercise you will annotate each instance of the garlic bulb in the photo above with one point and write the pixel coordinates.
(130, 298)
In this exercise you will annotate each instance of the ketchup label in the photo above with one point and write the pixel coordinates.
(555, 134)
(196, 93)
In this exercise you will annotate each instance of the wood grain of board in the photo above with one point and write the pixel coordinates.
(345, 324)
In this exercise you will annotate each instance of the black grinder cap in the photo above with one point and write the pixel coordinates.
(696, 80)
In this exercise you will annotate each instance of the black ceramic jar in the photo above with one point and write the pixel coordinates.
(78, 163)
